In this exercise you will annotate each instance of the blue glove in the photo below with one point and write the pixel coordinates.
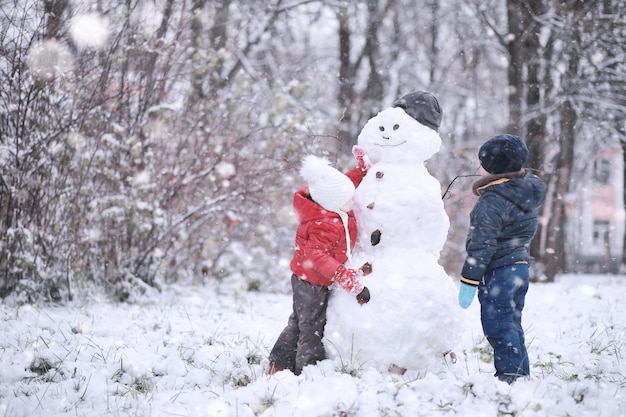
(466, 294)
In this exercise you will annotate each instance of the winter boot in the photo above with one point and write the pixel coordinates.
(273, 368)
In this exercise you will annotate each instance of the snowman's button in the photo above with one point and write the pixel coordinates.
(375, 237)
(370, 205)
(379, 174)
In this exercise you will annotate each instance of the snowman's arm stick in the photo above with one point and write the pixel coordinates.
(452, 182)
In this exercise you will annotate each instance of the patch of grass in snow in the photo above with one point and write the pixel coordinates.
(505, 407)
(142, 384)
(468, 389)
(242, 374)
(242, 357)
(48, 358)
(106, 357)
(81, 383)
(238, 380)
(384, 412)
(131, 385)
(41, 366)
(350, 369)
(484, 351)
(265, 402)
(554, 365)
(254, 358)
(187, 354)
(604, 340)
(444, 406)
(606, 345)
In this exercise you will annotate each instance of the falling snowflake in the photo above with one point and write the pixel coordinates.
(50, 59)
(89, 31)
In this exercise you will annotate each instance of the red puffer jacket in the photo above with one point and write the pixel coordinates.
(320, 240)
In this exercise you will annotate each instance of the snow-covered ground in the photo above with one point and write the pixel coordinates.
(194, 352)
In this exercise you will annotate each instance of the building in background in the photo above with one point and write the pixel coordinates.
(596, 216)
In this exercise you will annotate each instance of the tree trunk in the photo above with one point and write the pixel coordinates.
(554, 257)
(516, 65)
(434, 40)
(54, 10)
(373, 94)
(623, 132)
(197, 78)
(526, 83)
(532, 54)
(346, 93)
(535, 127)
(218, 38)
(149, 67)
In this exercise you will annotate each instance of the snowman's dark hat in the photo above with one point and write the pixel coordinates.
(423, 107)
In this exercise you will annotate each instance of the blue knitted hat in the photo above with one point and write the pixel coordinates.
(503, 153)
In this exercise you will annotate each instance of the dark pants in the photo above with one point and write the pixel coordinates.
(501, 294)
(300, 343)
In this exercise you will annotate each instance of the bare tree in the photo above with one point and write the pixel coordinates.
(109, 181)
(358, 101)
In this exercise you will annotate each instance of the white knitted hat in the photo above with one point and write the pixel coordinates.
(329, 188)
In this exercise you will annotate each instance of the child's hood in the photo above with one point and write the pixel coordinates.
(526, 192)
(308, 210)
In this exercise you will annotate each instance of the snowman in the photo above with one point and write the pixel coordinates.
(411, 321)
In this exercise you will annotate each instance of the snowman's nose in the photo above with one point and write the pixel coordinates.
(386, 137)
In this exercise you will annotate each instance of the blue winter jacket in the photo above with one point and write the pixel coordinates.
(502, 223)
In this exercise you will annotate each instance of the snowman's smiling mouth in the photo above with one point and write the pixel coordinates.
(385, 145)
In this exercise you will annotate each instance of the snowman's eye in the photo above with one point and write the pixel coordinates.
(396, 127)
(381, 128)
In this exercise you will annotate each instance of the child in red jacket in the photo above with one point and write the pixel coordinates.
(324, 239)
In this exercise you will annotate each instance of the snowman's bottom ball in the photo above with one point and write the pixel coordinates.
(411, 325)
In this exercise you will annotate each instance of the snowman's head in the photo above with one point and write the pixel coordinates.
(392, 135)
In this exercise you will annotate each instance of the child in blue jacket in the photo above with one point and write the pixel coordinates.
(502, 224)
